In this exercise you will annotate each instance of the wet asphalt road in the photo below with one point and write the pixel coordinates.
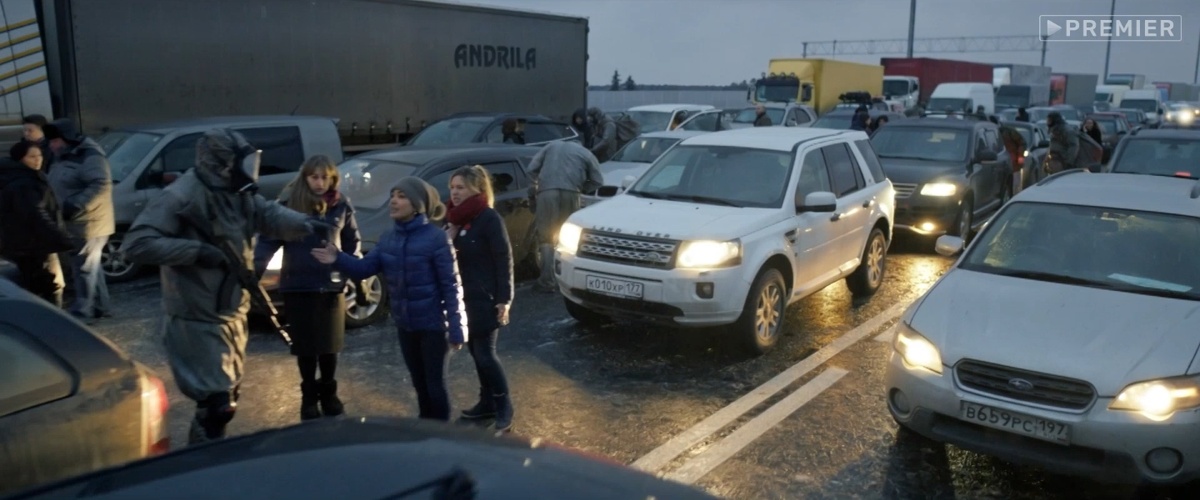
(624, 390)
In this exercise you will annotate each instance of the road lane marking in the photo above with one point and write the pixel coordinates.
(886, 336)
(663, 455)
(710, 459)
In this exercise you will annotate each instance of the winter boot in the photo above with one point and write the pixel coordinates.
(331, 406)
(485, 408)
(504, 412)
(310, 392)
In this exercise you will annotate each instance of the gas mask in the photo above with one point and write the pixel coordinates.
(243, 173)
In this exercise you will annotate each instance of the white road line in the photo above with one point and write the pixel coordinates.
(711, 458)
(886, 336)
(661, 456)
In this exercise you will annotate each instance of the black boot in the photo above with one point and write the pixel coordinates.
(310, 392)
(485, 408)
(331, 406)
(504, 412)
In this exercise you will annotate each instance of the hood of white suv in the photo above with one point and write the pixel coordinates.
(1108, 338)
(675, 220)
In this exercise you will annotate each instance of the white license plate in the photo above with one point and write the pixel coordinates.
(616, 288)
(1017, 423)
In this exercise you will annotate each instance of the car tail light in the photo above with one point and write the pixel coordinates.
(155, 437)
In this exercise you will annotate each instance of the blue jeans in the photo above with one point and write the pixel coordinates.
(427, 355)
(485, 330)
(87, 274)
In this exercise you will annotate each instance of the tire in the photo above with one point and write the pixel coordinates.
(376, 308)
(761, 323)
(867, 279)
(116, 268)
(966, 217)
(584, 315)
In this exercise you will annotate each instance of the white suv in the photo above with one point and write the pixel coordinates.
(731, 227)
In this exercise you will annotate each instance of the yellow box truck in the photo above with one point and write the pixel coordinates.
(816, 82)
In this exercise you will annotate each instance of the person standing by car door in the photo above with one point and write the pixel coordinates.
(191, 230)
(560, 171)
(1064, 145)
(486, 265)
(82, 181)
(314, 299)
(31, 229)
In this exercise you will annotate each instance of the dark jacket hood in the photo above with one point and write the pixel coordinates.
(11, 170)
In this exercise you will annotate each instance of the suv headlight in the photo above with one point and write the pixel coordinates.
(568, 238)
(939, 189)
(1159, 399)
(276, 262)
(705, 253)
(917, 351)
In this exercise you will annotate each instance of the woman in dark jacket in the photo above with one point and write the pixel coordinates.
(1092, 129)
(31, 227)
(486, 266)
(313, 293)
(513, 130)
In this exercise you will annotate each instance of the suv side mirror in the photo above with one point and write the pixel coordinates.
(948, 245)
(984, 156)
(627, 182)
(820, 201)
(1043, 144)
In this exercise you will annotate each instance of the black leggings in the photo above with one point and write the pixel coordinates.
(308, 366)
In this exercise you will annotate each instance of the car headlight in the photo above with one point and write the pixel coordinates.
(276, 262)
(939, 189)
(1159, 399)
(917, 351)
(568, 238)
(1186, 117)
(704, 253)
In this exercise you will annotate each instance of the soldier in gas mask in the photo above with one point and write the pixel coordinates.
(195, 231)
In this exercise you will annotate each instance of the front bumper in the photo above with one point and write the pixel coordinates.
(1105, 445)
(926, 216)
(670, 296)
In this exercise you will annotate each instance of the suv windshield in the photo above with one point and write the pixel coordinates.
(651, 121)
(914, 143)
(1125, 250)
(718, 175)
(452, 131)
(369, 182)
(644, 149)
(748, 115)
(1159, 156)
(895, 88)
(836, 121)
(126, 150)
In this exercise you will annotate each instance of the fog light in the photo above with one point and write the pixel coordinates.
(1164, 460)
(928, 226)
(899, 402)
(704, 290)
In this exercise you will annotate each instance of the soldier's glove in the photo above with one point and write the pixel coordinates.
(209, 256)
(319, 228)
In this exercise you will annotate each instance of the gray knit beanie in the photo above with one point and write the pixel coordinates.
(424, 198)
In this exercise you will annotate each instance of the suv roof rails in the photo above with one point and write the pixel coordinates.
(1064, 173)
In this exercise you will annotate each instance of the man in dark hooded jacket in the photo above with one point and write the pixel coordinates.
(1064, 144)
(183, 230)
(604, 135)
(861, 118)
(579, 120)
(760, 116)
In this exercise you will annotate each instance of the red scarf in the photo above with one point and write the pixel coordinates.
(462, 215)
(331, 198)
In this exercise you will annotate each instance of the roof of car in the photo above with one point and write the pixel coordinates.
(940, 122)
(1165, 133)
(775, 138)
(1152, 193)
(420, 155)
(211, 122)
(496, 115)
(674, 134)
(671, 108)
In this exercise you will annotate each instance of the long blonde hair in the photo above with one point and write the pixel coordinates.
(477, 178)
(299, 197)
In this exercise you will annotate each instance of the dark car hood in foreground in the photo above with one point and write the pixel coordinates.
(370, 459)
(906, 171)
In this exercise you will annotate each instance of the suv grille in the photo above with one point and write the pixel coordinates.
(1023, 385)
(904, 190)
(635, 251)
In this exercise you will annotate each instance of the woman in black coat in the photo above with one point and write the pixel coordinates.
(31, 226)
(314, 299)
(486, 266)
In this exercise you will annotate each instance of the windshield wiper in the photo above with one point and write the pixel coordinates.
(644, 194)
(1071, 280)
(455, 485)
(704, 199)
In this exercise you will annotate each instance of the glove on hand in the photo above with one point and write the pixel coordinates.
(209, 256)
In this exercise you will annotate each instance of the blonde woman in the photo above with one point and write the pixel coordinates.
(313, 293)
(486, 266)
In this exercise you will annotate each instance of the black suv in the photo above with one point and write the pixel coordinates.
(950, 173)
(1165, 152)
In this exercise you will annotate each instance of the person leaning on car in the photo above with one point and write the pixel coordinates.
(1064, 145)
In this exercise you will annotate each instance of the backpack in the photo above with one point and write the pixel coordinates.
(627, 129)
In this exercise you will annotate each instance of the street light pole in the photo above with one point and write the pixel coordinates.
(912, 25)
(1108, 51)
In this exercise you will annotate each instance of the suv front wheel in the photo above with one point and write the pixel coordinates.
(867, 279)
(761, 322)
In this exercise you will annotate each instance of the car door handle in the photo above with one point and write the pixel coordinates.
(835, 218)
(868, 203)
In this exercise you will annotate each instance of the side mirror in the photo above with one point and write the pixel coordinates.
(627, 182)
(1043, 144)
(820, 201)
(985, 156)
(948, 245)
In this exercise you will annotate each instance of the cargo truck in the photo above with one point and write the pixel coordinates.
(382, 68)
(1111, 94)
(1021, 85)
(1178, 91)
(818, 83)
(1132, 80)
(1148, 101)
(912, 80)
(1075, 89)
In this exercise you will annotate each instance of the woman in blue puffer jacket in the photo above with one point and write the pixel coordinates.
(313, 293)
(418, 265)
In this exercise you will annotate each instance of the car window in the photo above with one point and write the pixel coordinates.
(545, 132)
(1159, 157)
(920, 143)
(282, 150)
(32, 376)
(705, 122)
(669, 177)
(841, 169)
(441, 181)
(178, 156)
(505, 177)
(719, 175)
(814, 175)
(801, 116)
(495, 135)
(993, 141)
(126, 150)
(873, 164)
(644, 149)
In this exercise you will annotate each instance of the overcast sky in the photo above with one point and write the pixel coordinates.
(715, 42)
